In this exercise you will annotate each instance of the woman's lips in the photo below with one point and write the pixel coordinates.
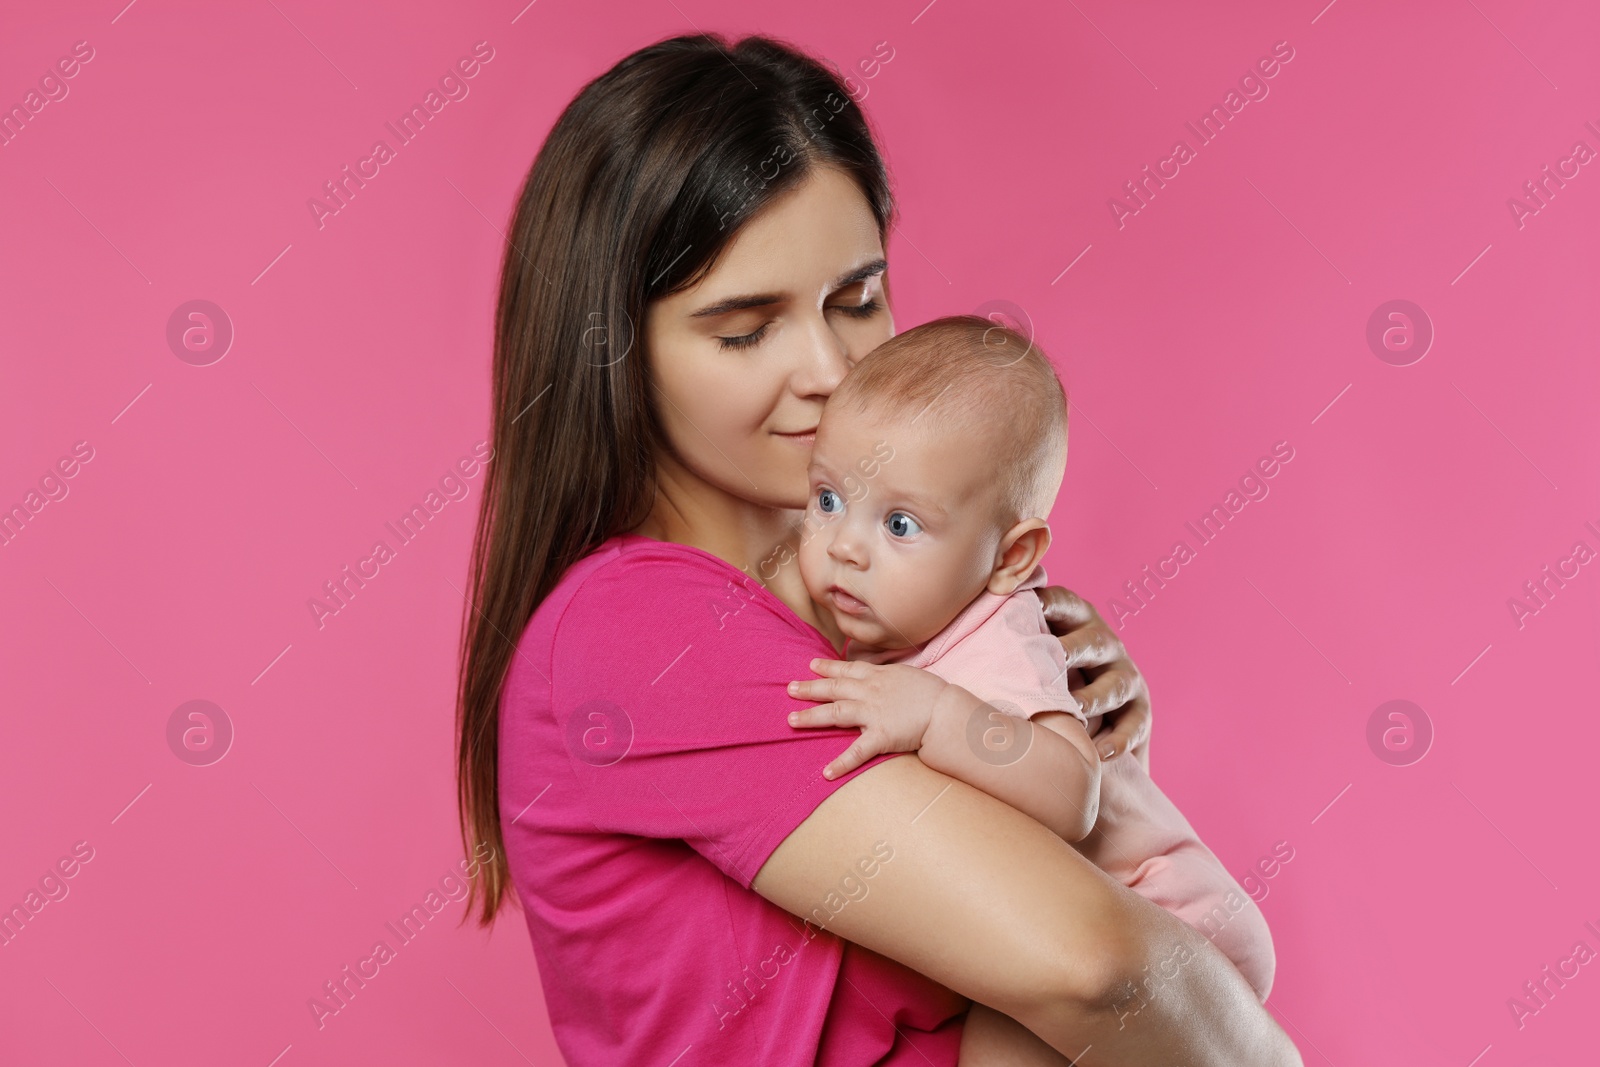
(845, 602)
(806, 437)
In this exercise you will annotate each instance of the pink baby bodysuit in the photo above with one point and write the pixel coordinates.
(1001, 650)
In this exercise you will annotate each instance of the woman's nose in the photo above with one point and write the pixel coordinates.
(824, 363)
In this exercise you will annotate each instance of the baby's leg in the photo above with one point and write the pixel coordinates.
(1143, 840)
(990, 1039)
(1191, 883)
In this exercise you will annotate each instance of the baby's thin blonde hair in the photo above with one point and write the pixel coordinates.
(972, 376)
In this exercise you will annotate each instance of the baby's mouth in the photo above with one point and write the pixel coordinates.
(846, 603)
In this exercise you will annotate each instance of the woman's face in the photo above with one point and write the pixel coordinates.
(744, 360)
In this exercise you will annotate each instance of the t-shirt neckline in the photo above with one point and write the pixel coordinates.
(774, 600)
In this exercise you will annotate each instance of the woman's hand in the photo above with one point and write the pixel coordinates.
(892, 704)
(1114, 685)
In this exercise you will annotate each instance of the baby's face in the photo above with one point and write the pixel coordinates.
(901, 532)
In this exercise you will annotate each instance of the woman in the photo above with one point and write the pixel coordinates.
(695, 262)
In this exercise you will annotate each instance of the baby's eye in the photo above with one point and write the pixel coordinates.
(829, 502)
(903, 525)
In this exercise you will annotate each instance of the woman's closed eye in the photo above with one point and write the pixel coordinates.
(746, 340)
(860, 311)
(902, 525)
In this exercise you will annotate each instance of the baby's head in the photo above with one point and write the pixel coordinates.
(935, 467)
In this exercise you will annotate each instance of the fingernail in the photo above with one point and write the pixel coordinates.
(793, 686)
(814, 663)
(826, 773)
(794, 717)
(1107, 750)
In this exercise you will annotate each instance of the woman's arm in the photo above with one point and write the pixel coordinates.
(989, 1039)
(988, 902)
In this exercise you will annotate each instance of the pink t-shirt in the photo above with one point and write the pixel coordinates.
(647, 771)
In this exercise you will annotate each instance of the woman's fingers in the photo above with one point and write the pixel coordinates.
(1116, 689)
(1065, 610)
(1085, 638)
(1130, 730)
(1091, 646)
(1109, 691)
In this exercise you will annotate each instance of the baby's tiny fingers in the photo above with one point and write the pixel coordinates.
(815, 688)
(820, 715)
(841, 668)
(858, 753)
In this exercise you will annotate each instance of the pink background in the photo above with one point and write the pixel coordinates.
(1227, 315)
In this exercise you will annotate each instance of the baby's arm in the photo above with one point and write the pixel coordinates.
(1049, 771)
(1045, 766)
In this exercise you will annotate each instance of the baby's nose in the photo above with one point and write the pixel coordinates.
(846, 547)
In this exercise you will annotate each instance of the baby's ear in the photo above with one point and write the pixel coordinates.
(1021, 550)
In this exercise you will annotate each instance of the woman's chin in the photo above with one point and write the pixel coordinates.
(797, 498)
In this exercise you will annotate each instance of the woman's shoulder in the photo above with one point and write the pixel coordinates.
(646, 563)
(638, 588)
(640, 575)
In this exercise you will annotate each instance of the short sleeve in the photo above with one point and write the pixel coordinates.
(1012, 661)
(669, 684)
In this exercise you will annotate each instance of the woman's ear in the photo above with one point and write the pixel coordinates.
(1021, 549)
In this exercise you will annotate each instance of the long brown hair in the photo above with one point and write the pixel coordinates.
(644, 179)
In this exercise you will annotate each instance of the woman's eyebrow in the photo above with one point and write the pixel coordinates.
(866, 270)
(755, 300)
(737, 303)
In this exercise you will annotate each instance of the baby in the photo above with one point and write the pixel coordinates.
(935, 465)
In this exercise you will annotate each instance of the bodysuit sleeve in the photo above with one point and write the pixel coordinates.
(1010, 660)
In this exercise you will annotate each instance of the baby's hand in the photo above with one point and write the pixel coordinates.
(892, 704)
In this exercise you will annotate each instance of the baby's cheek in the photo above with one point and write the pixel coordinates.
(811, 555)
(920, 600)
